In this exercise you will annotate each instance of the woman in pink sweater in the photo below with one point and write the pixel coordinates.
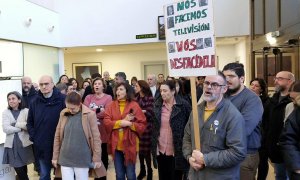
(97, 101)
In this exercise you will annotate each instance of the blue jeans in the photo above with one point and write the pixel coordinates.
(280, 172)
(121, 169)
(45, 169)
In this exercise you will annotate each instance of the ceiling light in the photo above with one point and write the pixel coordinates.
(99, 50)
(28, 22)
(272, 40)
(51, 28)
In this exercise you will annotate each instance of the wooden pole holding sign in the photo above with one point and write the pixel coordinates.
(190, 42)
(195, 114)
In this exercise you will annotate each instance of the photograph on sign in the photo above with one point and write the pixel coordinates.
(190, 38)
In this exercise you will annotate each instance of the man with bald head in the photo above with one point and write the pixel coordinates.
(275, 120)
(42, 120)
(28, 91)
(152, 81)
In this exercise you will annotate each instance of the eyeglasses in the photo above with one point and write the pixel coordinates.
(230, 76)
(43, 84)
(280, 78)
(213, 85)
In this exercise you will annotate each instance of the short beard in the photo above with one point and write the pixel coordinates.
(279, 88)
(233, 91)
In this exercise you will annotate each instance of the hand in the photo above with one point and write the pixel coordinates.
(125, 123)
(297, 171)
(194, 164)
(198, 157)
(97, 165)
(129, 117)
(54, 163)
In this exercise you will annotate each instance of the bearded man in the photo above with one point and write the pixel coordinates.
(275, 120)
(251, 108)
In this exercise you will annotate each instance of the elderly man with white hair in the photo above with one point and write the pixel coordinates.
(42, 121)
(152, 81)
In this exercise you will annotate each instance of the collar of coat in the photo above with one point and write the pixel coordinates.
(84, 110)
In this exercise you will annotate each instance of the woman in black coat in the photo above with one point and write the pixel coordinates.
(171, 114)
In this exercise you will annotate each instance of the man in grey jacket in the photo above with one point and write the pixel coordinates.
(223, 136)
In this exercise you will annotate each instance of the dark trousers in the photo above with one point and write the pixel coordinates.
(263, 166)
(249, 167)
(104, 158)
(22, 173)
(146, 158)
(166, 168)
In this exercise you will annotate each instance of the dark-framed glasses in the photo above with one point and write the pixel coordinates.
(213, 85)
(280, 78)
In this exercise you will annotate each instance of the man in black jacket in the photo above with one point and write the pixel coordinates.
(28, 91)
(290, 137)
(275, 120)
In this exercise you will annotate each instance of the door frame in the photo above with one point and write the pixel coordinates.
(145, 63)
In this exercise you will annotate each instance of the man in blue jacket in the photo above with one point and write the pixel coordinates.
(250, 106)
(42, 120)
(223, 137)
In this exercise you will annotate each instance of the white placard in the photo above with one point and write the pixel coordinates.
(190, 38)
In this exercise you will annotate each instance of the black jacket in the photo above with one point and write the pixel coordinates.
(179, 117)
(274, 125)
(30, 97)
(290, 141)
(42, 120)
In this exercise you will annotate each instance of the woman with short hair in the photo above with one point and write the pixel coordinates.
(125, 123)
(171, 113)
(77, 145)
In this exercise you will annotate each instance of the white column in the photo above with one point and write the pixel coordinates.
(61, 62)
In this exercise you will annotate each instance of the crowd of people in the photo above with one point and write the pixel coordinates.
(75, 127)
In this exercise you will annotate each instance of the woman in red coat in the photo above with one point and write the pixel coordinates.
(125, 122)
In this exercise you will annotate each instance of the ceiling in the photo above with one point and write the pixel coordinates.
(141, 46)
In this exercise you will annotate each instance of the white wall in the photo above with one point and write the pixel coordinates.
(40, 60)
(95, 22)
(225, 54)
(232, 17)
(129, 62)
(232, 53)
(13, 15)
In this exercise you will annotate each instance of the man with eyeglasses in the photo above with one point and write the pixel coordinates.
(250, 106)
(42, 121)
(275, 120)
(223, 136)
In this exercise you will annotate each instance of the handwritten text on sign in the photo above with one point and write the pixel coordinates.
(190, 38)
